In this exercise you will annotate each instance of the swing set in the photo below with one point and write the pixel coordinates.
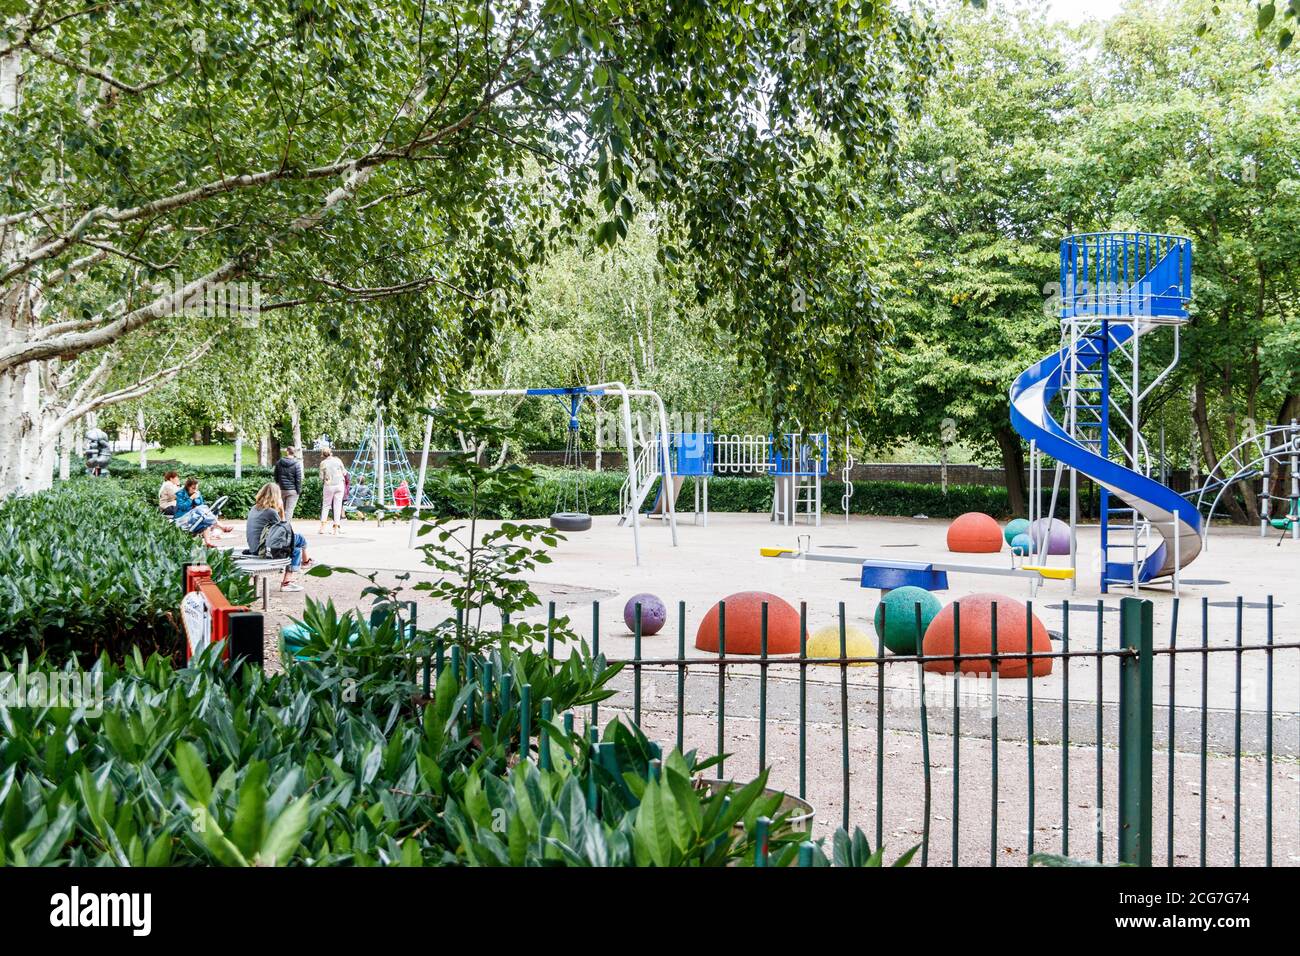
(571, 502)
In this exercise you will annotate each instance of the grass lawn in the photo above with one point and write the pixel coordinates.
(193, 455)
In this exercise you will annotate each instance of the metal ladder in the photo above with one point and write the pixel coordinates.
(804, 499)
(1090, 397)
(640, 479)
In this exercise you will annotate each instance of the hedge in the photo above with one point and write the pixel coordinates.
(735, 494)
(751, 495)
(347, 761)
(156, 469)
(90, 568)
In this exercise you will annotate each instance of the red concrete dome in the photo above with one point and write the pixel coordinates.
(974, 533)
(977, 637)
(744, 619)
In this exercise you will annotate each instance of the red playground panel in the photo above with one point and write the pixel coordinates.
(208, 617)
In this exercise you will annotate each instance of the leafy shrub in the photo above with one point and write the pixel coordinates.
(120, 468)
(200, 766)
(448, 493)
(905, 498)
(143, 487)
(88, 569)
(752, 495)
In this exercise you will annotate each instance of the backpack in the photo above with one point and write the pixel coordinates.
(276, 540)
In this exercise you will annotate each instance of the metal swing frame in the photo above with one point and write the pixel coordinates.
(576, 394)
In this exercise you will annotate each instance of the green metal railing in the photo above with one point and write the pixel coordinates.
(1130, 756)
(1019, 740)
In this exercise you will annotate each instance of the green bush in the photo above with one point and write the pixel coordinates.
(143, 486)
(119, 468)
(343, 761)
(88, 568)
(904, 499)
(311, 772)
(751, 495)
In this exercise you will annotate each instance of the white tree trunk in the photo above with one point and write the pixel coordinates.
(13, 305)
(144, 449)
(67, 438)
(296, 420)
(29, 449)
(10, 416)
(239, 453)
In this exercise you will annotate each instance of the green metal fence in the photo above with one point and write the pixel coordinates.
(1132, 778)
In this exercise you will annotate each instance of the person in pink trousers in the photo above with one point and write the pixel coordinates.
(333, 477)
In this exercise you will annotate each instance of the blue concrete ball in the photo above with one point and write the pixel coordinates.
(1014, 527)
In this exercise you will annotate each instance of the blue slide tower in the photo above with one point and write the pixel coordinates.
(1081, 405)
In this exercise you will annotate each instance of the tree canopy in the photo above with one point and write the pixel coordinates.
(393, 171)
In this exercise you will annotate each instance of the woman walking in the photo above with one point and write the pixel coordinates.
(288, 475)
(333, 477)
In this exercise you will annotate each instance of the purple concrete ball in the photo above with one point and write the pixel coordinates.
(653, 613)
(1058, 535)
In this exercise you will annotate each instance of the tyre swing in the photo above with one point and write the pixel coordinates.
(571, 499)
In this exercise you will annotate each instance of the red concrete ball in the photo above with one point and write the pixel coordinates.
(977, 637)
(975, 533)
(745, 625)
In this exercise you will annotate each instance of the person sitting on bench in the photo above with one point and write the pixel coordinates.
(204, 519)
(264, 518)
(167, 494)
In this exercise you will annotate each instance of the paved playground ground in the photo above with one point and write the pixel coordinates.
(722, 558)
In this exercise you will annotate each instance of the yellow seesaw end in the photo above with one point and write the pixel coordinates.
(1057, 574)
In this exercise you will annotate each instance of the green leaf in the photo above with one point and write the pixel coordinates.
(193, 772)
(250, 813)
(52, 836)
(286, 833)
(652, 830)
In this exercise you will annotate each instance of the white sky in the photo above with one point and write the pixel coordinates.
(1070, 11)
(1076, 11)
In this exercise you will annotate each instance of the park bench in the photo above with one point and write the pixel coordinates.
(259, 570)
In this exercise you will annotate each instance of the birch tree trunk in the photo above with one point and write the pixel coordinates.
(239, 453)
(144, 451)
(67, 438)
(10, 396)
(14, 306)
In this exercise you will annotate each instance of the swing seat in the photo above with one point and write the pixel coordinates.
(570, 521)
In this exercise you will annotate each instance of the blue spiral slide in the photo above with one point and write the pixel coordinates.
(1134, 307)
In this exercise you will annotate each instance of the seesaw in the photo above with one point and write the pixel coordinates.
(886, 574)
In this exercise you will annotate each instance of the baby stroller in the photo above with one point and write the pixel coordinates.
(201, 517)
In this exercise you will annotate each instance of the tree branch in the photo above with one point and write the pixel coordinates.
(137, 390)
(81, 340)
(55, 56)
